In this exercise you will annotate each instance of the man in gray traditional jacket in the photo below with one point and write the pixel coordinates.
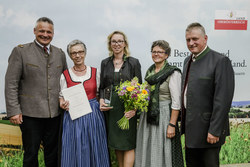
(207, 93)
(31, 93)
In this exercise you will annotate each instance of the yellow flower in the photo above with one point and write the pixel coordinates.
(130, 88)
(245, 139)
(144, 92)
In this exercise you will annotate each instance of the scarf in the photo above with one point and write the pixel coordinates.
(155, 80)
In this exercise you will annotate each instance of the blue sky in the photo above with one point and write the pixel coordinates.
(144, 21)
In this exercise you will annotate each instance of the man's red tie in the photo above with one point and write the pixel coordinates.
(45, 50)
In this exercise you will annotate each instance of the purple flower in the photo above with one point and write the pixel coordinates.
(134, 95)
(124, 88)
(121, 93)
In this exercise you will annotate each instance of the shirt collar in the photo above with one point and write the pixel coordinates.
(48, 46)
(196, 56)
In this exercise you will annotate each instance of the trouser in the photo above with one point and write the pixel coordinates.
(202, 157)
(35, 131)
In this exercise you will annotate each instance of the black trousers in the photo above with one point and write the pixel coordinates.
(202, 157)
(36, 131)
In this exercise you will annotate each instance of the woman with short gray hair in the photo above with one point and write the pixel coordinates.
(84, 140)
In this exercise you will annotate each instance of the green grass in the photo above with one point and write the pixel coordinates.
(6, 122)
(15, 158)
(235, 150)
(237, 146)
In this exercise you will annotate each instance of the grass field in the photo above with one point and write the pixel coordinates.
(235, 150)
(237, 146)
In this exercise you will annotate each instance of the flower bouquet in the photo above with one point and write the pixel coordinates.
(135, 96)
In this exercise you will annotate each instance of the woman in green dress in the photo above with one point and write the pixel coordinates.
(119, 67)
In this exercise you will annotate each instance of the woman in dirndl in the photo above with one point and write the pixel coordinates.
(84, 141)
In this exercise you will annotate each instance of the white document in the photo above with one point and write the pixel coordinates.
(78, 101)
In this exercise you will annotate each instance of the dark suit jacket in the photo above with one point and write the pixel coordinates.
(131, 68)
(210, 90)
(32, 81)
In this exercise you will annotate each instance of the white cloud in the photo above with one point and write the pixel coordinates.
(125, 3)
(21, 18)
(1, 11)
(8, 14)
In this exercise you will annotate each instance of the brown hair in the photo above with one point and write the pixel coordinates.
(162, 44)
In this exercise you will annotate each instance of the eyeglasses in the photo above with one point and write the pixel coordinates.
(79, 52)
(117, 42)
(157, 52)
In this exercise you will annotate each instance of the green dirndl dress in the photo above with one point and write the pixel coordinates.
(119, 139)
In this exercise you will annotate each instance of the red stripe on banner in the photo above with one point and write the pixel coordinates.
(230, 24)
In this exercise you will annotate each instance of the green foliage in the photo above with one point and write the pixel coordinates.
(238, 113)
(235, 110)
(237, 147)
(7, 122)
(235, 150)
(113, 159)
(15, 158)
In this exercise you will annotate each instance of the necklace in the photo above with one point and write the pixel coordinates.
(118, 63)
(80, 70)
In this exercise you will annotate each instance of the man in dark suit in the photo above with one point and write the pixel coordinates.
(207, 92)
(32, 91)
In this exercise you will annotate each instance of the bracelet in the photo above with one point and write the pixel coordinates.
(172, 125)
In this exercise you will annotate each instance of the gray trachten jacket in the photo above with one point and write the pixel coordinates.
(32, 81)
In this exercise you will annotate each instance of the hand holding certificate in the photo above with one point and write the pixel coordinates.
(78, 101)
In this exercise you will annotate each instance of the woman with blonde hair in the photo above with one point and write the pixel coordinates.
(119, 67)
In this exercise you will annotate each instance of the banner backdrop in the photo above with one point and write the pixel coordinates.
(143, 21)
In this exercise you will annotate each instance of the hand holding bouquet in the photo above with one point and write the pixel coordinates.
(135, 96)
